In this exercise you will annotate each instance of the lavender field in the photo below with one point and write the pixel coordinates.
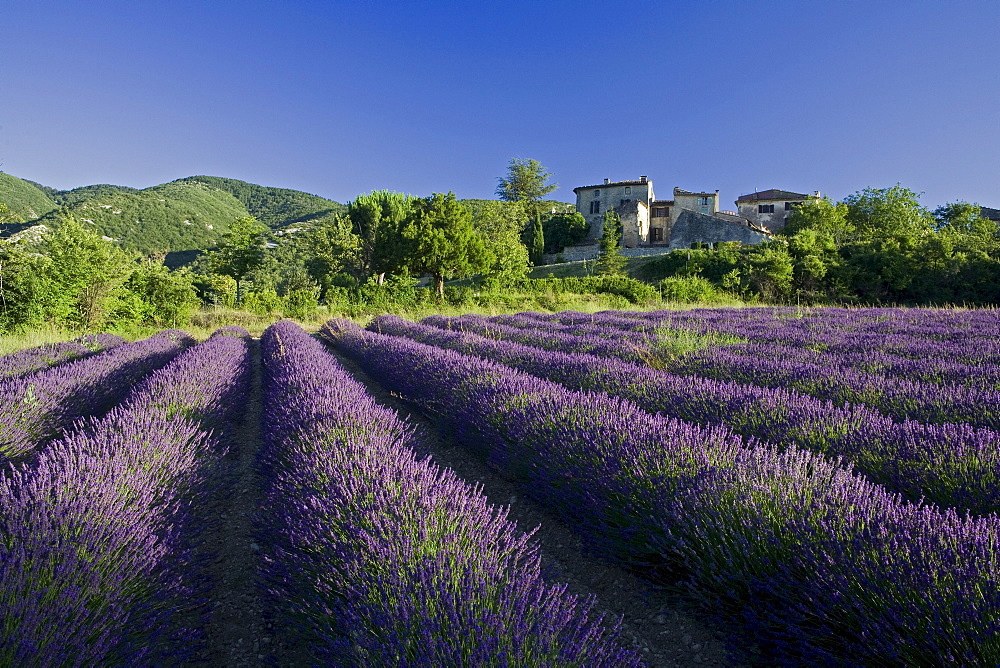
(796, 486)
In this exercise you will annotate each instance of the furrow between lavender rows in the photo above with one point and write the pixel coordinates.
(950, 465)
(379, 557)
(96, 540)
(771, 539)
(34, 409)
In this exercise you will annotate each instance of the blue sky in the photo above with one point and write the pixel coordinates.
(340, 98)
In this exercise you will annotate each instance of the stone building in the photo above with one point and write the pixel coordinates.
(770, 209)
(649, 222)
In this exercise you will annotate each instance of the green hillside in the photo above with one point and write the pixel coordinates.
(76, 195)
(24, 198)
(170, 217)
(275, 207)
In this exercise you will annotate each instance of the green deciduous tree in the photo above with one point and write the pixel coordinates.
(240, 251)
(564, 229)
(444, 243)
(499, 224)
(610, 261)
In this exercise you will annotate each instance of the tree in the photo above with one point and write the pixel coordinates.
(444, 243)
(240, 251)
(86, 271)
(536, 245)
(525, 182)
(378, 219)
(611, 262)
(823, 216)
(328, 248)
(564, 229)
(499, 224)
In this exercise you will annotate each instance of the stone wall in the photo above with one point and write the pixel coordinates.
(692, 227)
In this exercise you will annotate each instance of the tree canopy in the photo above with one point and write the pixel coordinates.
(526, 181)
(444, 243)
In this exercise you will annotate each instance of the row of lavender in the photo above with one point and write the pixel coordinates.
(645, 339)
(897, 398)
(30, 360)
(951, 465)
(96, 537)
(34, 408)
(379, 557)
(824, 564)
(972, 337)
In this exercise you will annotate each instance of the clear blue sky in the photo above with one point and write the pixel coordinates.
(340, 98)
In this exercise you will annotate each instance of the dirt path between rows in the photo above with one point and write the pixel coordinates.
(237, 634)
(664, 626)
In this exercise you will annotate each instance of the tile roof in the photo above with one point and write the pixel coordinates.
(772, 194)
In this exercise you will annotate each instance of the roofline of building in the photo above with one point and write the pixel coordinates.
(614, 183)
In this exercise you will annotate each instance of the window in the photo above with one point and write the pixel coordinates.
(595, 206)
(765, 208)
(791, 205)
(657, 235)
(597, 193)
(628, 190)
(660, 212)
(704, 201)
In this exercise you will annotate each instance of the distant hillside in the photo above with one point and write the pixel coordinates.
(76, 195)
(275, 207)
(24, 198)
(170, 217)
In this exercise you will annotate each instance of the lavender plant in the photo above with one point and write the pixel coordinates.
(383, 557)
(34, 408)
(824, 565)
(95, 539)
(949, 464)
(30, 360)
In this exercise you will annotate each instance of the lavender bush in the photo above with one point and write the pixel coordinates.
(825, 566)
(95, 540)
(382, 557)
(30, 360)
(34, 408)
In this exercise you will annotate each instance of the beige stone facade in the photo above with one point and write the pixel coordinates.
(771, 208)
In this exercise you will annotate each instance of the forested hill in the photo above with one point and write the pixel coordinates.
(162, 219)
(275, 207)
(25, 199)
(183, 215)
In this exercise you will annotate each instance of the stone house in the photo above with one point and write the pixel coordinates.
(770, 209)
(649, 222)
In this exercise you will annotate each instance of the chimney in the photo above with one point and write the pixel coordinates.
(607, 181)
(815, 193)
(642, 179)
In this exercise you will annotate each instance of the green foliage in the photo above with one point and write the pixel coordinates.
(444, 243)
(274, 207)
(378, 220)
(611, 262)
(692, 290)
(526, 181)
(166, 298)
(23, 198)
(171, 217)
(499, 224)
(536, 240)
(564, 229)
(77, 195)
(631, 290)
(240, 251)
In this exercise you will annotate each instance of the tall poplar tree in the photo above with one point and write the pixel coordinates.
(611, 262)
